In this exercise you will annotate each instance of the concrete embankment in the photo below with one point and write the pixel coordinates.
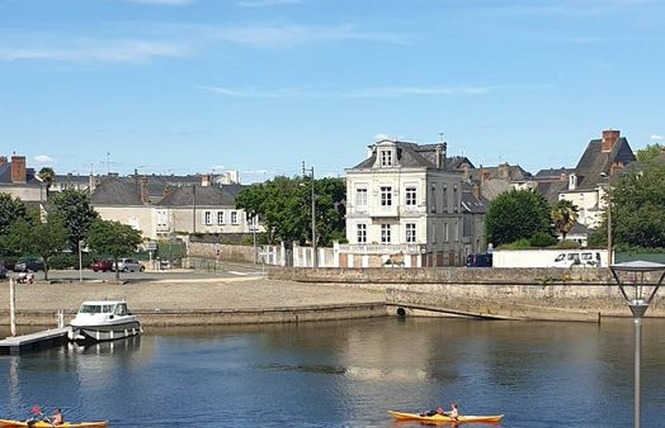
(580, 294)
(176, 301)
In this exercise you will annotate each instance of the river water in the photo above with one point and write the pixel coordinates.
(347, 374)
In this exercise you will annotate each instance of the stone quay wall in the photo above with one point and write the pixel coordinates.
(579, 294)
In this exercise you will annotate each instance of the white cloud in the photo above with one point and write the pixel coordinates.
(162, 2)
(90, 51)
(266, 3)
(656, 137)
(44, 160)
(293, 35)
(387, 92)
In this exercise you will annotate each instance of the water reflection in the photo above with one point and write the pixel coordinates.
(347, 374)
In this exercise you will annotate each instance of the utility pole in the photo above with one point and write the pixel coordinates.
(315, 262)
(194, 208)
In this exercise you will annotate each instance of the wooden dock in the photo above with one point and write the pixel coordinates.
(34, 342)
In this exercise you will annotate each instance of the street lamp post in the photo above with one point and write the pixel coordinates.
(80, 261)
(638, 295)
(313, 210)
(608, 190)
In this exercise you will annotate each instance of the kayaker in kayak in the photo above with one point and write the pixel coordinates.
(454, 412)
(57, 418)
(437, 411)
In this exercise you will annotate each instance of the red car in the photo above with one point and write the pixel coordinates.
(102, 265)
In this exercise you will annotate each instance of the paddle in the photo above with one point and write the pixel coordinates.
(37, 411)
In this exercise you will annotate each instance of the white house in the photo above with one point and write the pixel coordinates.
(403, 208)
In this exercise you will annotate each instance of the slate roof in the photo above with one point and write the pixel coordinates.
(553, 174)
(594, 162)
(6, 175)
(183, 196)
(470, 203)
(515, 173)
(117, 191)
(409, 155)
(551, 189)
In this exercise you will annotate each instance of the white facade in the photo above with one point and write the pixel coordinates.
(397, 209)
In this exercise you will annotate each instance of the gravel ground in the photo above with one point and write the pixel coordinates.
(181, 294)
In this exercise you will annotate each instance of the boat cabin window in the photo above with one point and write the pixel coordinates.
(121, 309)
(96, 309)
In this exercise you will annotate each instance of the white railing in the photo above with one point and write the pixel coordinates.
(381, 248)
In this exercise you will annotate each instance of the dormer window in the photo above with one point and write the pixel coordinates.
(386, 156)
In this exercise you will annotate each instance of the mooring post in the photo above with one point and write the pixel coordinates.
(12, 307)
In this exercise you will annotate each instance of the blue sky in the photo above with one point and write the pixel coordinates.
(260, 86)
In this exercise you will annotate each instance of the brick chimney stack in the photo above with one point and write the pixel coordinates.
(610, 138)
(18, 169)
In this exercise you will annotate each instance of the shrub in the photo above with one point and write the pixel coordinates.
(542, 240)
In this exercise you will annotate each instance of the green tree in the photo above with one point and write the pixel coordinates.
(564, 216)
(638, 208)
(515, 215)
(284, 207)
(77, 213)
(11, 210)
(113, 239)
(649, 153)
(36, 238)
(47, 175)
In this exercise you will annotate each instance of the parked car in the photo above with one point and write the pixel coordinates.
(479, 260)
(129, 265)
(101, 265)
(29, 264)
(577, 258)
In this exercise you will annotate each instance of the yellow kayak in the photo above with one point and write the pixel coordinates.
(442, 419)
(6, 423)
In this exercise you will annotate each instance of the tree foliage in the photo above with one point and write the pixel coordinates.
(649, 153)
(36, 238)
(564, 216)
(113, 239)
(515, 215)
(74, 207)
(11, 210)
(47, 175)
(637, 202)
(284, 207)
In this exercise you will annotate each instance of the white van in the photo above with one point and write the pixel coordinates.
(578, 258)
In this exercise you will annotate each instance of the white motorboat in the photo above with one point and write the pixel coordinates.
(102, 321)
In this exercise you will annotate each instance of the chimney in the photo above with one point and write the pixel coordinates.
(484, 175)
(205, 180)
(167, 191)
(476, 191)
(504, 171)
(144, 190)
(437, 155)
(3, 160)
(563, 177)
(610, 138)
(18, 169)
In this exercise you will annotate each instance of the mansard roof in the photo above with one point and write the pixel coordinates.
(409, 155)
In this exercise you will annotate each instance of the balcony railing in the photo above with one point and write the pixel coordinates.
(382, 248)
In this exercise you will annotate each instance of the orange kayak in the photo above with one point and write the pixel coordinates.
(442, 419)
(6, 423)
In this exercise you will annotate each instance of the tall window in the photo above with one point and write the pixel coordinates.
(234, 217)
(433, 199)
(207, 217)
(361, 199)
(385, 234)
(410, 196)
(362, 233)
(410, 233)
(220, 217)
(386, 158)
(445, 198)
(446, 232)
(386, 196)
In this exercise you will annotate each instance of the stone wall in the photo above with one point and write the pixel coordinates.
(583, 294)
